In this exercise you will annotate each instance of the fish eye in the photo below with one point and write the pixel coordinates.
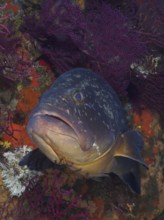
(78, 96)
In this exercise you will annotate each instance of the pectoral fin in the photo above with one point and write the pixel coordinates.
(129, 145)
(36, 160)
(127, 159)
(128, 171)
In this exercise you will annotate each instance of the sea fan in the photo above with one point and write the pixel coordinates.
(147, 17)
(146, 86)
(150, 24)
(101, 39)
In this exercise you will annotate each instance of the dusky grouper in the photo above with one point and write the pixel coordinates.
(80, 121)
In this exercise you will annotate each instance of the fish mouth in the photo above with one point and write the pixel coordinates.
(60, 139)
(45, 148)
(55, 118)
(84, 139)
(49, 132)
(66, 124)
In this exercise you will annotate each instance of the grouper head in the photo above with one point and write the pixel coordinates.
(72, 118)
(79, 121)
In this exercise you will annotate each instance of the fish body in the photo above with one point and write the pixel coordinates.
(80, 121)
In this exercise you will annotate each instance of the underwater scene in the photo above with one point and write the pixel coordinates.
(81, 110)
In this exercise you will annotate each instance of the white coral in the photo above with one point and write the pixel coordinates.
(15, 177)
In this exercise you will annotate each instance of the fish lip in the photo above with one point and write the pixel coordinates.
(53, 154)
(83, 143)
(54, 115)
